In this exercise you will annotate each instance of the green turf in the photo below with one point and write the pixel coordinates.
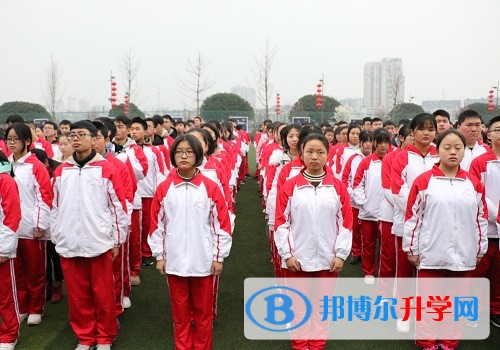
(148, 323)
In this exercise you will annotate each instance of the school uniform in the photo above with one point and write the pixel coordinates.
(89, 219)
(35, 192)
(45, 145)
(190, 214)
(471, 153)
(446, 226)
(486, 168)
(10, 216)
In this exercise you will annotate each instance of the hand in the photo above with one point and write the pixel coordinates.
(414, 260)
(3, 259)
(115, 251)
(336, 265)
(216, 268)
(160, 266)
(293, 264)
(37, 233)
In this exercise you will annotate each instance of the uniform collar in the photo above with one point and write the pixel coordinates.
(328, 180)
(177, 180)
(436, 172)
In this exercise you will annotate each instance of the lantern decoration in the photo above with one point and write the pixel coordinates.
(491, 106)
(319, 95)
(278, 104)
(113, 93)
(126, 105)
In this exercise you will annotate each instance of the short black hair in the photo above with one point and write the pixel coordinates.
(124, 120)
(442, 113)
(139, 120)
(365, 136)
(352, 126)
(389, 123)
(284, 134)
(109, 124)
(181, 122)
(102, 128)
(421, 119)
(448, 132)
(305, 131)
(157, 120)
(14, 118)
(342, 122)
(469, 113)
(316, 136)
(493, 121)
(197, 117)
(64, 122)
(209, 141)
(193, 143)
(85, 124)
(214, 130)
(23, 132)
(53, 124)
(166, 116)
(376, 119)
(367, 119)
(381, 135)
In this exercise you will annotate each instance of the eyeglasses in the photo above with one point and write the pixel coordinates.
(180, 153)
(12, 139)
(78, 136)
(494, 131)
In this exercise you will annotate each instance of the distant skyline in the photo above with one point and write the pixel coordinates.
(448, 48)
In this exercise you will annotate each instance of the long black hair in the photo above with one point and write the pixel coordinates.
(23, 132)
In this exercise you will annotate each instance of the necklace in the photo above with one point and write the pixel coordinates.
(187, 178)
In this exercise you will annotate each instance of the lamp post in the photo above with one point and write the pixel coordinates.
(496, 88)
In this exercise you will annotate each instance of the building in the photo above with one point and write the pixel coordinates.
(246, 93)
(448, 105)
(383, 84)
(469, 101)
(354, 104)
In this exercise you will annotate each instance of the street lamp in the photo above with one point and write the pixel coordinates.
(496, 88)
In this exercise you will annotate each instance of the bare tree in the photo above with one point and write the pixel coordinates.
(262, 72)
(397, 89)
(52, 91)
(130, 67)
(197, 82)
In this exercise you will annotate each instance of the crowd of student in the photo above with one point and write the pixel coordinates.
(94, 202)
(428, 191)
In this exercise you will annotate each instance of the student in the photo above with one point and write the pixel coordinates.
(50, 132)
(39, 142)
(443, 121)
(367, 124)
(367, 194)
(65, 149)
(36, 196)
(469, 125)
(64, 126)
(447, 194)
(330, 135)
(194, 210)
(486, 168)
(89, 202)
(127, 149)
(300, 225)
(10, 216)
(407, 165)
(376, 123)
(54, 290)
(348, 174)
(344, 153)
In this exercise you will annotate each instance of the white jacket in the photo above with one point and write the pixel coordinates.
(406, 166)
(313, 224)
(190, 225)
(88, 215)
(446, 221)
(154, 177)
(10, 215)
(470, 154)
(35, 193)
(367, 188)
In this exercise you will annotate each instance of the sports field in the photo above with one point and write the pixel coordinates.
(148, 325)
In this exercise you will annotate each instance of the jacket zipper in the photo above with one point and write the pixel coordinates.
(454, 218)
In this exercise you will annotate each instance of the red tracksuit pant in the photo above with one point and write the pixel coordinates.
(356, 233)
(9, 312)
(404, 269)
(91, 298)
(118, 278)
(135, 239)
(146, 223)
(387, 256)
(369, 230)
(31, 275)
(489, 267)
(192, 298)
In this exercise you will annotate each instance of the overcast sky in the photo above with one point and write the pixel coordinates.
(450, 49)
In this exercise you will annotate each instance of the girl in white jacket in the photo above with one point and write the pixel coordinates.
(36, 195)
(313, 229)
(190, 237)
(445, 232)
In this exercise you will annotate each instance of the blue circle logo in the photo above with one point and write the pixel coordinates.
(273, 310)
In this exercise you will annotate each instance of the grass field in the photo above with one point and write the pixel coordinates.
(148, 325)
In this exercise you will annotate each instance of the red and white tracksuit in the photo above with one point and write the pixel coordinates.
(348, 179)
(145, 191)
(35, 193)
(341, 156)
(136, 157)
(190, 229)
(486, 168)
(45, 145)
(313, 224)
(88, 219)
(10, 216)
(367, 194)
(449, 237)
(470, 154)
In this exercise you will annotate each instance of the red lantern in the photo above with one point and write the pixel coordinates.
(490, 109)
(113, 94)
(319, 85)
(113, 83)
